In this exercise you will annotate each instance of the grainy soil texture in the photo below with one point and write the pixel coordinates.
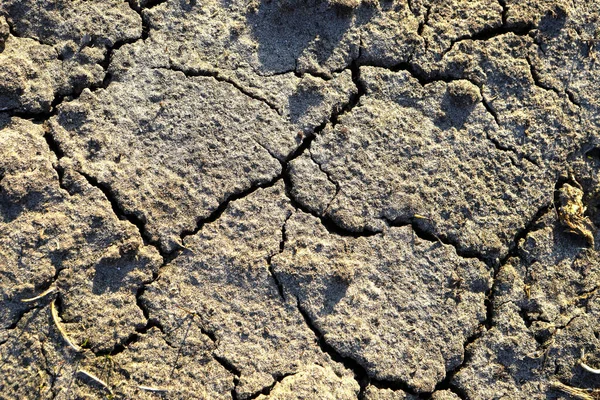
(300, 199)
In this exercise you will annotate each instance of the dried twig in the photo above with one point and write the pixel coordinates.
(93, 378)
(152, 389)
(62, 330)
(51, 289)
(587, 367)
(581, 394)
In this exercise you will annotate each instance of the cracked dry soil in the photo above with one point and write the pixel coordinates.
(299, 199)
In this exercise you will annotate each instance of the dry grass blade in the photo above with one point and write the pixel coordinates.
(84, 375)
(62, 330)
(580, 394)
(589, 369)
(51, 289)
(585, 366)
(152, 389)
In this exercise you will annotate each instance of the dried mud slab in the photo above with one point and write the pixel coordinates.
(374, 393)
(51, 51)
(172, 150)
(298, 199)
(402, 307)
(70, 240)
(78, 21)
(36, 364)
(545, 314)
(32, 75)
(539, 124)
(314, 381)
(425, 154)
(176, 366)
(441, 24)
(222, 281)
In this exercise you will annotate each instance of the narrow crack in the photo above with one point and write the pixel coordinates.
(59, 96)
(267, 391)
(13, 32)
(218, 212)
(139, 221)
(330, 225)
(497, 144)
(504, 14)
(425, 21)
(55, 149)
(537, 80)
(281, 249)
(196, 72)
(487, 324)
(232, 369)
(490, 32)
(360, 373)
(338, 188)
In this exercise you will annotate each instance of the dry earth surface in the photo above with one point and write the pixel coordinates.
(299, 199)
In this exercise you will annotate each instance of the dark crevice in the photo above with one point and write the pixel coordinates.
(55, 148)
(75, 93)
(304, 145)
(232, 369)
(488, 33)
(167, 257)
(136, 220)
(269, 259)
(423, 80)
(491, 32)
(572, 98)
(522, 234)
(425, 21)
(218, 212)
(487, 324)
(497, 144)
(266, 391)
(360, 373)
(329, 178)
(132, 338)
(512, 253)
(13, 32)
(217, 76)
(424, 234)
(537, 80)
(139, 10)
(504, 11)
(329, 223)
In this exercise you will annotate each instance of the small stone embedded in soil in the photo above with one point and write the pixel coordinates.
(384, 300)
